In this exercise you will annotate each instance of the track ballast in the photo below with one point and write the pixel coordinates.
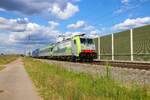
(125, 64)
(122, 64)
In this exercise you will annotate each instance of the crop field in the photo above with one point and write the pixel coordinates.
(6, 59)
(122, 50)
(55, 83)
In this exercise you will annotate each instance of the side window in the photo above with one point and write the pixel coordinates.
(75, 42)
(51, 49)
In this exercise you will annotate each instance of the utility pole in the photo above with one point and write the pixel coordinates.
(28, 52)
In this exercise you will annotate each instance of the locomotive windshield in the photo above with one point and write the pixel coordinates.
(87, 44)
(86, 41)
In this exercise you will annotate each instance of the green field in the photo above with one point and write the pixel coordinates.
(141, 45)
(55, 83)
(6, 59)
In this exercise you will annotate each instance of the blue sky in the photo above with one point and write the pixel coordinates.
(44, 20)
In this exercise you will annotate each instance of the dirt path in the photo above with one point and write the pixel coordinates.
(15, 83)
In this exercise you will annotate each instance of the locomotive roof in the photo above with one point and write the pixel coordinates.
(49, 46)
(81, 36)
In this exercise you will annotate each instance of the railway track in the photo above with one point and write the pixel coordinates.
(122, 64)
(125, 64)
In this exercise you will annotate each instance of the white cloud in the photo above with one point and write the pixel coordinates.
(129, 5)
(68, 12)
(73, 33)
(18, 30)
(85, 28)
(32, 27)
(53, 24)
(2, 20)
(125, 1)
(124, 7)
(22, 20)
(1, 9)
(36, 32)
(3, 38)
(132, 23)
(31, 7)
(91, 29)
(13, 24)
(82, 25)
(93, 34)
(77, 25)
(62, 9)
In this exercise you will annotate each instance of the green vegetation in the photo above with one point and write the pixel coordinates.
(1, 67)
(6, 59)
(56, 83)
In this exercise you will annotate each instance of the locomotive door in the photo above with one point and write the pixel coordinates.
(74, 47)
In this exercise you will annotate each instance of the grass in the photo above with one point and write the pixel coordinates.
(6, 59)
(56, 83)
(1, 67)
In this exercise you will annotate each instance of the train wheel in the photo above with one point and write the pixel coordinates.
(82, 60)
(74, 59)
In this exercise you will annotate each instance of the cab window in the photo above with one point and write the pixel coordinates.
(86, 41)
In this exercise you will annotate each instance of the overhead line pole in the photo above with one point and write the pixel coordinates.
(112, 46)
(29, 49)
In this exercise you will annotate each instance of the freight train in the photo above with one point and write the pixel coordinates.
(76, 48)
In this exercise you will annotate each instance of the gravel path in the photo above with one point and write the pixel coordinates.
(15, 83)
(123, 75)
